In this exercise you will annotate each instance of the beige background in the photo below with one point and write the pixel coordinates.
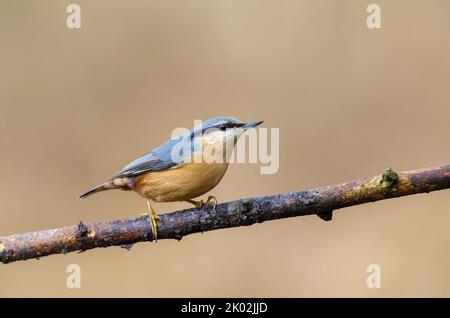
(76, 105)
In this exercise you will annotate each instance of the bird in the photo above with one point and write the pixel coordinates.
(182, 168)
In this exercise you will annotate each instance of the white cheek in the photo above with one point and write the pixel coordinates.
(239, 132)
(210, 139)
(216, 136)
(229, 134)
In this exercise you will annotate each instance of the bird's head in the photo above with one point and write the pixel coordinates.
(221, 132)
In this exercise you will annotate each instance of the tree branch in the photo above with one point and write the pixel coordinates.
(321, 201)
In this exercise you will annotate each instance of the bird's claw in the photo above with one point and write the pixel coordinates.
(210, 201)
(153, 217)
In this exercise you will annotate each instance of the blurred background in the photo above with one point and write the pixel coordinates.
(78, 104)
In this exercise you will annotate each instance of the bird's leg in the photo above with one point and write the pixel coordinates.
(197, 204)
(153, 218)
(211, 201)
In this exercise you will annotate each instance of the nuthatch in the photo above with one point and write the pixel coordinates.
(177, 169)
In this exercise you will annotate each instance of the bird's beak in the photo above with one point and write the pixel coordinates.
(252, 124)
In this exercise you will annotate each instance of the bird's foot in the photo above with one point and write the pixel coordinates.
(153, 224)
(198, 204)
(153, 220)
(210, 201)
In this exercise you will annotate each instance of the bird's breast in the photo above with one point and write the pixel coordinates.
(188, 181)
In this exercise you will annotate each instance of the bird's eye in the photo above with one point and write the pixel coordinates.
(223, 127)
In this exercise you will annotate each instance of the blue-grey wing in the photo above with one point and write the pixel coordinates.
(160, 158)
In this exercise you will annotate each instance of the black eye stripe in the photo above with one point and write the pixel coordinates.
(229, 125)
(218, 126)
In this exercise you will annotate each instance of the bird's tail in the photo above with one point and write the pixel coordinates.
(103, 187)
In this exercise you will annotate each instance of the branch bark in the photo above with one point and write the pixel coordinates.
(320, 201)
